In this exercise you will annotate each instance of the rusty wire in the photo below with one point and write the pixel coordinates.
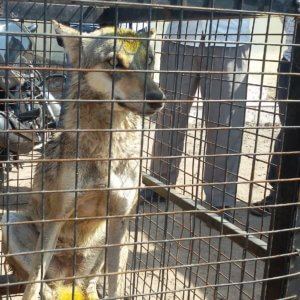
(181, 247)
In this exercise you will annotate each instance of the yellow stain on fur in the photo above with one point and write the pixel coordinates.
(65, 293)
(131, 46)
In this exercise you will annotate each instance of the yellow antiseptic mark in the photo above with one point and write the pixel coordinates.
(65, 293)
(130, 46)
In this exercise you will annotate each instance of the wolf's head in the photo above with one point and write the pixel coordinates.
(100, 50)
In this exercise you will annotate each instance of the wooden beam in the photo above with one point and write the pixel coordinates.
(104, 12)
(283, 6)
(251, 243)
(66, 13)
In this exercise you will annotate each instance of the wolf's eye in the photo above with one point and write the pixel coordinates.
(115, 63)
(150, 60)
(111, 62)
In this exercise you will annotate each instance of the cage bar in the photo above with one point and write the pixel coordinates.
(180, 243)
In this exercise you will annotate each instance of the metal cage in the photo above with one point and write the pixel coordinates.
(217, 169)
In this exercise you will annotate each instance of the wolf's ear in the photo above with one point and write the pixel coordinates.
(152, 33)
(71, 44)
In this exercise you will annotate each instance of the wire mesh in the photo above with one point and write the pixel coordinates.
(88, 153)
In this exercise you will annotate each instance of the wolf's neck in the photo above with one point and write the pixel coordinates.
(93, 116)
(87, 113)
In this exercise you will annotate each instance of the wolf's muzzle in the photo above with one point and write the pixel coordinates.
(157, 97)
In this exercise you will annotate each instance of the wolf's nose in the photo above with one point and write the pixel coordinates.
(155, 96)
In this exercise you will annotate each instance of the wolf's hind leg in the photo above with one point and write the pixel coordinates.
(21, 238)
(48, 239)
(16, 239)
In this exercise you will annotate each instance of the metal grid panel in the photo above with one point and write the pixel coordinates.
(181, 246)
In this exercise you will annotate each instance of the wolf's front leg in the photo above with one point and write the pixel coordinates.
(51, 233)
(117, 256)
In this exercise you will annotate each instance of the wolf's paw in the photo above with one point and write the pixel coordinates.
(48, 293)
(93, 296)
(91, 290)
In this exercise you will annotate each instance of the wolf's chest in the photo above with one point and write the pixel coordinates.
(125, 168)
(124, 183)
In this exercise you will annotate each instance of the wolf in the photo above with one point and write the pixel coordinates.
(103, 183)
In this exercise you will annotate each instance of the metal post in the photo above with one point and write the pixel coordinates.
(293, 287)
(288, 192)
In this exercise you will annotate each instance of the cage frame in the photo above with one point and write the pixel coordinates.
(285, 217)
